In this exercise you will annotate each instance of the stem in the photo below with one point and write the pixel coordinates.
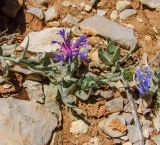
(134, 112)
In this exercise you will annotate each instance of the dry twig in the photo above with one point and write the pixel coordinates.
(134, 112)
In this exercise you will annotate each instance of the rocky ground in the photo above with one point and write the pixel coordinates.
(30, 115)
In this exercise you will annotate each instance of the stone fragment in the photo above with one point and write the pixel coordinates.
(114, 126)
(124, 138)
(41, 41)
(70, 20)
(156, 122)
(156, 139)
(76, 31)
(114, 15)
(36, 12)
(127, 13)
(11, 7)
(87, 7)
(151, 3)
(34, 91)
(78, 127)
(133, 133)
(66, 3)
(94, 141)
(122, 4)
(114, 105)
(53, 24)
(25, 122)
(128, 117)
(101, 12)
(51, 14)
(100, 25)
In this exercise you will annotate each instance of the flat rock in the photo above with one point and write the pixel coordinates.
(78, 127)
(114, 15)
(133, 133)
(151, 3)
(41, 41)
(128, 117)
(107, 28)
(36, 12)
(25, 123)
(127, 13)
(11, 7)
(51, 14)
(122, 4)
(70, 20)
(34, 91)
(101, 12)
(114, 126)
(156, 122)
(114, 105)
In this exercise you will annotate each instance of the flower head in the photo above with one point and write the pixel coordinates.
(68, 49)
(144, 80)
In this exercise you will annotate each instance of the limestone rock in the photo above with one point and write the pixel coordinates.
(24, 122)
(114, 126)
(36, 12)
(151, 3)
(51, 14)
(100, 25)
(78, 127)
(34, 91)
(127, 13)
(122, 4)
(41, 41)
(133, 133)
(70, 20)
(115, 105)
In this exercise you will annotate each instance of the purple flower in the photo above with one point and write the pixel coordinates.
(144, 80)
(68, 49)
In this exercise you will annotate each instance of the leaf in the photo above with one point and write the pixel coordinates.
(128, 74)
(111, 55)
(7, 50)
(82, 95)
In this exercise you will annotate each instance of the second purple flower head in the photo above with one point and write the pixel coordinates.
(144, 80)
(69, 49)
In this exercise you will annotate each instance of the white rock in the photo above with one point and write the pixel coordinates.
(133, 133)
(25, 122)
(34, 91)
(156, 122)
(36, 12)
(66, 3)
(100, 25)
(78, 127)
(128, 117)
(146, 133)
(87, 8)
(70, 20)
(101, 12)
(106, 126)
(41, 41)
(115, 105)
(122, 4)
(114, 15)
(151, 3)
(51, 14)
(127, 13)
